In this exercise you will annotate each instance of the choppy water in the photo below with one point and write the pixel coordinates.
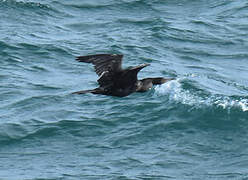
(195, 127)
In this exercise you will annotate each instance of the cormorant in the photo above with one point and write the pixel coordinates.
(115, 81)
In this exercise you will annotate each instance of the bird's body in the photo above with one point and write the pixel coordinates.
(114, 80)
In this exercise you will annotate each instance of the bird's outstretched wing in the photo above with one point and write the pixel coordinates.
(103, 63)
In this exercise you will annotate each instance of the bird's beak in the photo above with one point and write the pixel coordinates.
(144, 65)
(139, 67)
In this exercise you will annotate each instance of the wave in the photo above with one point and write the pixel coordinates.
(109, 4)
(176, 93)
(39, 129)
(16, 132)
(30, 9)
(22, 4)
(5, 45)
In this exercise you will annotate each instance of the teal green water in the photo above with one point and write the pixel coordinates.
(194, 127)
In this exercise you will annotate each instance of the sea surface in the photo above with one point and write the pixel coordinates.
(194, 127)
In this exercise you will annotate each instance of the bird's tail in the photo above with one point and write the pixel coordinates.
(85, 91)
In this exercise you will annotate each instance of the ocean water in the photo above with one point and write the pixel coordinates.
(194, 127)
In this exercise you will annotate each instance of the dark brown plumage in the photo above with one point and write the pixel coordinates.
(114, 80)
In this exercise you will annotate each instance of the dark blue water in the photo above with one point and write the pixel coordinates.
(194, 127)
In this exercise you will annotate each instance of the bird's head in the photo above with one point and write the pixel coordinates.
(139, 67)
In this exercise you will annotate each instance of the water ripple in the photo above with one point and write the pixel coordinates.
(189, 128)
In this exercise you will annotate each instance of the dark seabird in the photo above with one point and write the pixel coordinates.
(115, 81)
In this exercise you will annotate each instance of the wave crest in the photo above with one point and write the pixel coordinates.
(176, 93)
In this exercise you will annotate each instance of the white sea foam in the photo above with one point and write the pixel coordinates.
(228, 102)
(177, 93)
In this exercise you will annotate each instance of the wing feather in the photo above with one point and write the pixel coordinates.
(106, 66)
(103, 62)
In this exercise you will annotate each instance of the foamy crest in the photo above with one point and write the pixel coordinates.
(177, 93)
(228, 103)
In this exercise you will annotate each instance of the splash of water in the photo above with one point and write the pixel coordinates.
(177, 93)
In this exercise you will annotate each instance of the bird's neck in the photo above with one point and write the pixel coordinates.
(139, 85)
(143, 86)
